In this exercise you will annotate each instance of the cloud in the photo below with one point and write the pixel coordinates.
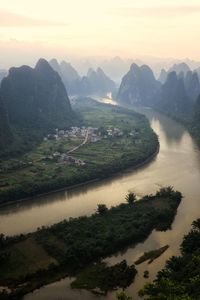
(8, 19)
(155, 11)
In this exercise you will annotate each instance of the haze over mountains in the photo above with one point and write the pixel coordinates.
(117, 66)
(175, 93)
(139, 86)
(94, 82)
(174, 99)
(37, 97)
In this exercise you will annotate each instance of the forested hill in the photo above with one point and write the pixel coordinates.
(174, 99)
(139, 86)
(35, 99)
(175, 93)
(5, 130)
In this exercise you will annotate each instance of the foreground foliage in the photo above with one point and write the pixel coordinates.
(100, 277)
(180, 279)
(67, 248)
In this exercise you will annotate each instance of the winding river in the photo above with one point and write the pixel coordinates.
(177, 164)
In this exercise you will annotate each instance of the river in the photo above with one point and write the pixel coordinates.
(177, 164)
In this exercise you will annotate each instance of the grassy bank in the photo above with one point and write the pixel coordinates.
(32, 174)
(67, 248)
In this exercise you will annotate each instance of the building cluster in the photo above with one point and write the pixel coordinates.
(73, 132)
(94, 134)
(114, 132)
(135, 134)
(63, 158)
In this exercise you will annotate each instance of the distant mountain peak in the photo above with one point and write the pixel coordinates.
(139, 86)
(36, 97)
(42, 66)
(163, 76)
(181, 67)
(134, 67)
(100, 71)
(55, 65)
(91, 72)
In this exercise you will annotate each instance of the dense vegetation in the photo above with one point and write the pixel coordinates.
(180, 279)
(5, 130)
(194, 125)
(151, 255)
(176, 93)
(139, 86)
(100, 278)
(70, 246)
(32, 174)
(35, 101)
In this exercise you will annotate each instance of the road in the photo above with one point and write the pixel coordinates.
(83, 143)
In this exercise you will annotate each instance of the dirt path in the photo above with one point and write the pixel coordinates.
(83, 143)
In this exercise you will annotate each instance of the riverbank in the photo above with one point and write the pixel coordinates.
(71, 245)
(136, 145)
(74, 186)
(187, 122)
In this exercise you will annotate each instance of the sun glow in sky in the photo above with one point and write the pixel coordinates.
(34, 28)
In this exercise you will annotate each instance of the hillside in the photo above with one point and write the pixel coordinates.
(5, 130)
(139, 87)
(36, 98)
(34, 101)
(79, 154)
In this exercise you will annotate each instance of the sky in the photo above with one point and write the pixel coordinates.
(30, 29)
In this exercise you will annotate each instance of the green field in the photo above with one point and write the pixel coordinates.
(32, 174)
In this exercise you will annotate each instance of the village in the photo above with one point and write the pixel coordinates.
(89, 135)
(84, 134)
(94, 134)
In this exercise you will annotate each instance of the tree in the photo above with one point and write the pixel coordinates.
(130, 198)
(102, 209)
(122, 296)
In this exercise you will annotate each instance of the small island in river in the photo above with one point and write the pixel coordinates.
(151, 255)
(69, 247)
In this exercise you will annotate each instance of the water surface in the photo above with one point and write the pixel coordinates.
(177, 164)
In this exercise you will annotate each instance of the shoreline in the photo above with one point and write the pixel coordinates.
(84, 183)
(62, 270)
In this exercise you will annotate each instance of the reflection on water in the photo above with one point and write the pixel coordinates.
(177, 164)
(28, 215)
(178, 130)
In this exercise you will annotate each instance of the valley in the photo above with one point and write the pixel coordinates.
(99, 150)
(71, 157)
(175, 145)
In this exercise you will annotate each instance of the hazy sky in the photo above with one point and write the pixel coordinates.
(128, 28)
